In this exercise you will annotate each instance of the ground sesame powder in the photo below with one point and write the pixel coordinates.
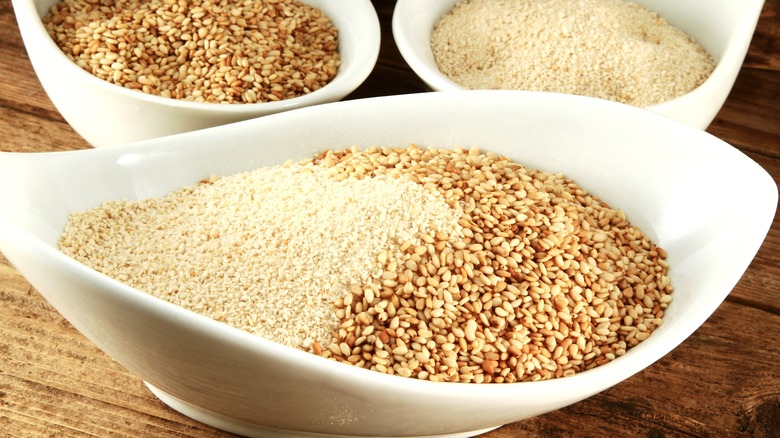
(441, 265)
(610, 49)
(217, 51)
(267, 251)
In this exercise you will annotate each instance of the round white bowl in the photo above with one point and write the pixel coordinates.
(108, 114)
(723, 27)
(678, 184)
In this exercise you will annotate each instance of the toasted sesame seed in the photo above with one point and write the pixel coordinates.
(201, 50)
(540, 273)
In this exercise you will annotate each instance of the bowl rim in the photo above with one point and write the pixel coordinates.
(733, 53)
(348, 77)
(599, 378)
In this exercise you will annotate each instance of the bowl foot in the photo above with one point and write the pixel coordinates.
(244, 428)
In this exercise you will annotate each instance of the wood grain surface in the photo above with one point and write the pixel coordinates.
(723, 381)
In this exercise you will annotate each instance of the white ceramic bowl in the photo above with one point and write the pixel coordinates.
(722, 27)
(108, 114)
(677, 183)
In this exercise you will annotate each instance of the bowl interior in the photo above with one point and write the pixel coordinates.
(678, 184)
(108, 114)
(358, 48)
(723, 27)
(714, 25)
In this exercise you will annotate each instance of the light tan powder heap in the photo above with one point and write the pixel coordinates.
(610, 49)
(218, 51)
(267, 251)
(442, 265)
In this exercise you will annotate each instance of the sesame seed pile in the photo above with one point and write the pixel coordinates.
(218, 51)
(610, 49)
(441, 265)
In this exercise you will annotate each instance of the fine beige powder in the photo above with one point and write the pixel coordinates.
(266, 251)
(609, 49)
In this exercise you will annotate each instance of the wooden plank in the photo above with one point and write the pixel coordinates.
(34, 133)
(748, 119)
(766, 39)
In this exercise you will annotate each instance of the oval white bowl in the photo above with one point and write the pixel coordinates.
(107, 114)
(677, 183)
(722, 27)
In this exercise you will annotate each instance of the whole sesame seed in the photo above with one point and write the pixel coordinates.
(211, 44)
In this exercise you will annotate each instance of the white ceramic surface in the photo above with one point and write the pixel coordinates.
(722, 27)
(108, 114)
(680, 185)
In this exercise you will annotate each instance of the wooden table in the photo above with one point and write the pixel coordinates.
(723, 381)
